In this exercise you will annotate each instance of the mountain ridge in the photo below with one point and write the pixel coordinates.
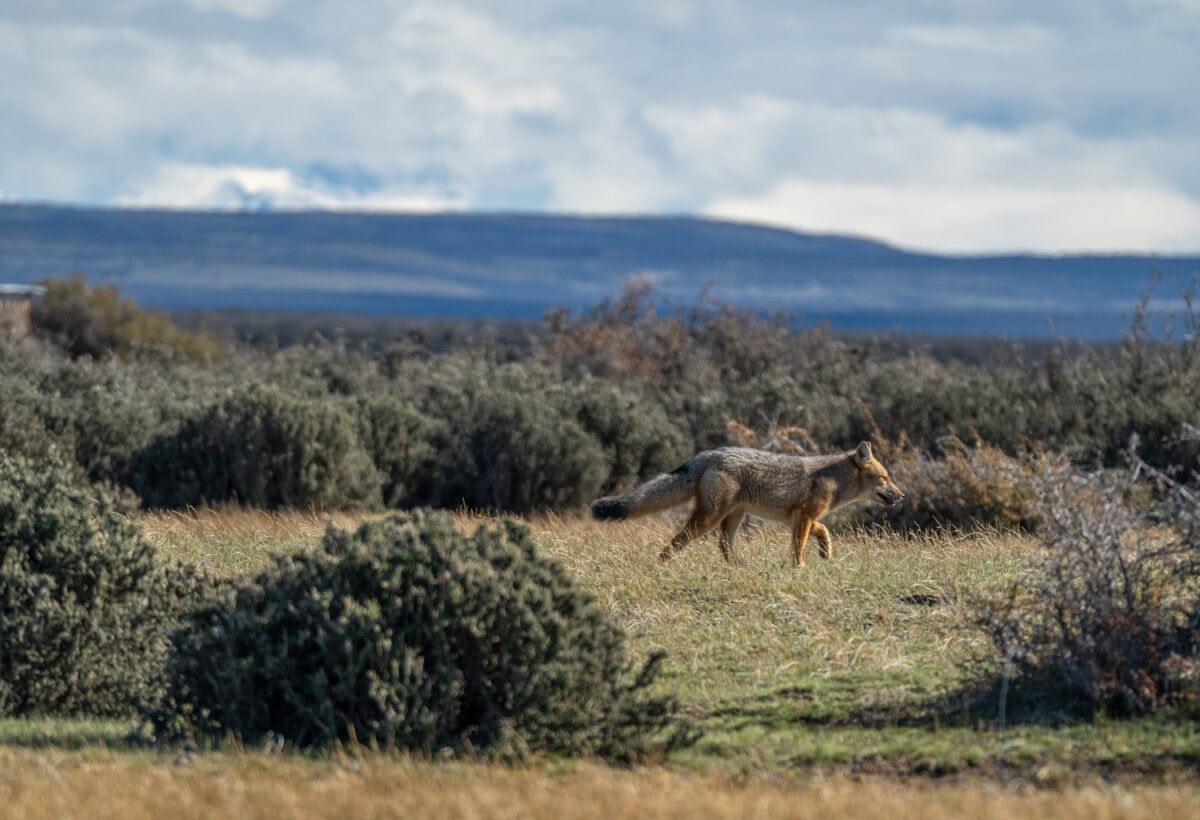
(515, 265)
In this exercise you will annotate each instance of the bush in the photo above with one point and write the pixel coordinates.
(410, 634)
(107, 412)
(1108, 615)
(262, 448)
(511, 446)
(399, 440)
(964, 486)
(22, 431)
(96, 322)
(601, 400)
(637, 437)
(84, 605)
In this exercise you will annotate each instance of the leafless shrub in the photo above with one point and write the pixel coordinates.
(1107, 617)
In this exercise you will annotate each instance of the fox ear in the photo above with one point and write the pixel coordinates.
(862, 456)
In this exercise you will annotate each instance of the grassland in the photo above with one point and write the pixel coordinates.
(829, 691)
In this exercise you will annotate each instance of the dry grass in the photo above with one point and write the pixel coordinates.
(234, 540)
(100, 784)
(761, 624)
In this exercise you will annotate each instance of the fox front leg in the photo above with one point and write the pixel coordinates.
(800, 532)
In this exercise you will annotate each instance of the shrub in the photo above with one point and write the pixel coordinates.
(84, 605)
(964, 486)
(1108, 615)
(510, 445)
(263, 448)
(408, 633)
(95, 322)
(637, 437)
(107, 412)
(22, 431)
(399, 439)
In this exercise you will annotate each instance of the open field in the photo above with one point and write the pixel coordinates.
(104, 784)
(827, 691)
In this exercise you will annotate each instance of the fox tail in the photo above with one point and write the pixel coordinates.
(659, 493)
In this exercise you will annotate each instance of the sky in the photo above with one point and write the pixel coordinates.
(966, 127)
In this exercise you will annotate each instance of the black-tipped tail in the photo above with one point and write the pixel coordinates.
(609, 509)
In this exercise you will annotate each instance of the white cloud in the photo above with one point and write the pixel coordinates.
(989, 218)
(242, 8)
(1006, 40)
(183, 185)
(490, 68)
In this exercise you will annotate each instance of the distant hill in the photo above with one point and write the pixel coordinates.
(519, 265)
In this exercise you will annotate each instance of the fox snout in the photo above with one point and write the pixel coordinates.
(889, 496)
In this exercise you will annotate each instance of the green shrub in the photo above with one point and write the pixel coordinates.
(400, 440)
(22, 430)
(84, 605)
(601, 400)
(637, 437)
(262, 448)
(107, 411)
(409, 634)
(510, 446)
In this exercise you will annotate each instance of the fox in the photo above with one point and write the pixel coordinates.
(728, 483)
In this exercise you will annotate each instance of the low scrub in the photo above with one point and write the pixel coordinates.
(97, 322)
(1107, 617)
(399, 439)
(84, 604)
(410, 634)
(513, 444)
(263, 448)
(960, 486)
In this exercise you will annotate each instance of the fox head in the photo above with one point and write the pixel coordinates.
(874, 481)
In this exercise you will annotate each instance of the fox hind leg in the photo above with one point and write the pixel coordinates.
(701, 521)
(824, 541)
(714, 500)
(728, 532)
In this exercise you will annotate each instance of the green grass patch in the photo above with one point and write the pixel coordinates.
(68, 733)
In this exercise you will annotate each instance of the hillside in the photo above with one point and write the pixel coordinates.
(517, 266)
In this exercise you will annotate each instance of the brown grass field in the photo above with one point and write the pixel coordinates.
(251, 785)
(811, 687)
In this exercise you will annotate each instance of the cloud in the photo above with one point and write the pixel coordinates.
(1012, 39)
(1026, 116)
(242, 8)
(234, 187)
(971, 219)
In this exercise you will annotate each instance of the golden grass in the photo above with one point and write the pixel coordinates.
(100, 784)
(762, 624)
(234, 540)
